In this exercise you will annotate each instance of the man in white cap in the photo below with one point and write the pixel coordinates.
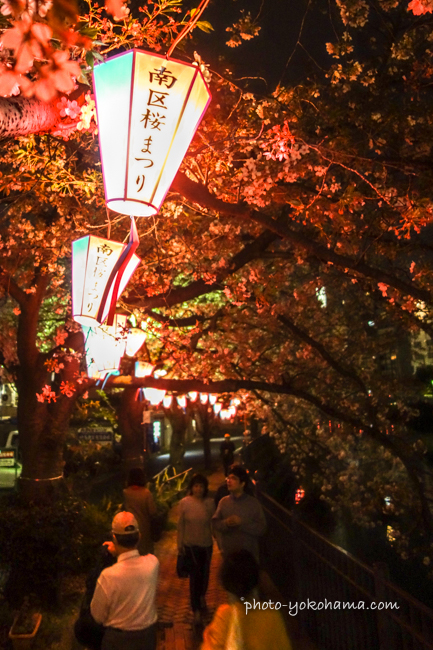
(124, 598)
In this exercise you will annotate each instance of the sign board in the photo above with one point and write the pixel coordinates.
(96, 434)
(7, 456)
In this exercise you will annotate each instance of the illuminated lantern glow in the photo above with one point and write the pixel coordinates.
(143, 369)
(101, 269)
(225, 414)
(166, 402)
(154, 395)
(217, 407)
(236, 401)
(181, 400)
(232, 410)
(135, 339)
(148, 109)
(204, 398)
(105, 346)
(299, 495)
(213, 399)
(193, 395)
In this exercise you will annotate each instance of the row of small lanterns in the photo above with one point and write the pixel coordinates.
(156, 395)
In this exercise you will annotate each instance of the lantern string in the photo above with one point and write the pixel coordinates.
(188, 27)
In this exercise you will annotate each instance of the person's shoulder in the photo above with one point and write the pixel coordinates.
(149, 560)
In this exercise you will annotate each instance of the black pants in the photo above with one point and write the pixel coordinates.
(123, 640)
(199, 576)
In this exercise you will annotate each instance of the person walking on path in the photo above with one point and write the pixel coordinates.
(227, 452)
(194, 539)
(239, 519)
(137, 498)
(233, 626)
(124, 599)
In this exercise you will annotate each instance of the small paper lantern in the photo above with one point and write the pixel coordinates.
(154, 395)
(193, 395)
(217, 407)
(148, 109)
(166, 402)
(101, 269)
(143, 369)
(136, 338)
(203, 398)
(105, 346)
(181, 401)
(213, 399)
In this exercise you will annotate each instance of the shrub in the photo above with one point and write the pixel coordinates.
(39, 544)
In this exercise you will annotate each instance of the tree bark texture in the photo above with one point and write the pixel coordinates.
(21, 116)
(129, 412)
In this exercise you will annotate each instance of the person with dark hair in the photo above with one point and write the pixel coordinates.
(124, 598)
(137, 498)
(227, 452)
(248, 623)
(239, 519)
(194, 539)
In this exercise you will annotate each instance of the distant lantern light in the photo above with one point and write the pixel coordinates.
(101, 269)
(143, 369)
(193, 395)
(148, 109)
(166, 402)
(204, 398)
(105, 346)
(135, 339)
(232, 410)
(181, 400)
(213, 399)
(217, 407)
(299, 495)
(225, 414)
(154, 395)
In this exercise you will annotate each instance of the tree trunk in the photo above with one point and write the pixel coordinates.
(204, 427)
(179, 422)
(21, 116)
(42, 425)
(130, 411)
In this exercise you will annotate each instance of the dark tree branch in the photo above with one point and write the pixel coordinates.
(201, 195)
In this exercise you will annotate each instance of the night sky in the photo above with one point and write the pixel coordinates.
(267, 55)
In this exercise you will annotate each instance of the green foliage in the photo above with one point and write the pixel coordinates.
(42, 543)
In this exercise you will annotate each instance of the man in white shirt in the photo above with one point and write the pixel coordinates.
(124, 598)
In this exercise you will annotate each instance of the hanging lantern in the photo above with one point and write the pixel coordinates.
(105, 346)
(217, 407)
(181, 400)
(148, 109)
(204, 398)
(166, 402)
(154, 395)
(213, 399)
(101, 269)
(143, 369)
(136, 338)
(193, 395)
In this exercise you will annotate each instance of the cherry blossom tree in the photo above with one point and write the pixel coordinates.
(290, 263)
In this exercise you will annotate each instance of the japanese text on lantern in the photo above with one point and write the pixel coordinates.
(100, 270)
(154, 116)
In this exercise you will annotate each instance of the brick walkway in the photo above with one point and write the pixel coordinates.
(173, 592)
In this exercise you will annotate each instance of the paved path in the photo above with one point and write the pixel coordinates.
(173, 593)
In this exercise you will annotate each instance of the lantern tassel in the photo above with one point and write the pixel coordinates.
(117, 273)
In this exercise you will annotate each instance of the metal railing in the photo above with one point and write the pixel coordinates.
(166, 485)
(319, 579)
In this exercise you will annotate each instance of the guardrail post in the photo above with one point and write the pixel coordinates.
(381, 573)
